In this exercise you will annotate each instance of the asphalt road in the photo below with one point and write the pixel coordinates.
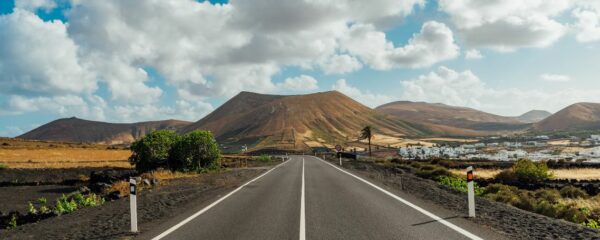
(307, 198)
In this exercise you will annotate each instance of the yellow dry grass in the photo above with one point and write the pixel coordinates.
(589, 203)
(565, 173)
(64, 158)
(479, 173)
(462, 140)
(167, 175)
(559, 142)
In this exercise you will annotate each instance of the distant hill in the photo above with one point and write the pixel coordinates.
(579, 116)
(534, 116)
(450, 119)
(80, 130)
(297, 121)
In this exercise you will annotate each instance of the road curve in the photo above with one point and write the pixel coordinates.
(307, 198)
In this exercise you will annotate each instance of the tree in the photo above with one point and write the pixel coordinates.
(531, 172)
(195, 151)
(366, 133)
(152, 151)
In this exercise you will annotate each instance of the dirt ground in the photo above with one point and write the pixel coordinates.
(111, 220)
(17, 198)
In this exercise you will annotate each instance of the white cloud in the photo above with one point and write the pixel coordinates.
(509, 24)
(433, 44)
(466, 89)
(555, 77)
(365, 97)
(38, 58)
(299, 83)
(33, 5)
(588, 21)
(473, 54)
(340, 64)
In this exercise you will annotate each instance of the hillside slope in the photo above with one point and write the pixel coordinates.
(80, 130)
(297, 121)
(579, 116)
(456, 120)
(534, 116)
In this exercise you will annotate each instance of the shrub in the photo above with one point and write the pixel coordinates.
(13, 222)
(591, 223)
(572, 192)
(91, 200)
(152, 151)
(531, 172)
(549, 195)
(263, 158)
(507, 177)
(502, 193)
(64, 205)
(3, 166)
(194, 151)
(433, 172)
(31, 209)
(459, 184)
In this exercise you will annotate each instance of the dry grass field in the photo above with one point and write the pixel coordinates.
(571, 173)
(17, 153)
(64, 158)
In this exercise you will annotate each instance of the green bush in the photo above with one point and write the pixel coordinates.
(507, 177)
(591, 223)
(572, 192)
(152, 151)
(31, 209)
(91, 200)
(531, 172)
(3, 166)
(64, 205)
(549, 195)
(195, 151)
(13, 222)
(263, 158)
(459, 184)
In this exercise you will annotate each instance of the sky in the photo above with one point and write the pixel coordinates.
(142, 60)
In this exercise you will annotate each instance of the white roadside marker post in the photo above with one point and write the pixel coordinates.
(471, 191)
(133, 204)
(340, 159)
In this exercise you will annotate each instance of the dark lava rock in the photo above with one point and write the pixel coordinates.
(114, 195)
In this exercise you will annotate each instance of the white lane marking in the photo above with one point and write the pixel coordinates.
(172, 229)
(302, 216)
(423, 211)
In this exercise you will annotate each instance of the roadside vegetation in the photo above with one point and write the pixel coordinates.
(569, 203)
(40, 209)
(263, 158)
(196, 151)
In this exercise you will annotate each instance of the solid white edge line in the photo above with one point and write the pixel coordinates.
(190, 218)
(423, 211)
(302, 209)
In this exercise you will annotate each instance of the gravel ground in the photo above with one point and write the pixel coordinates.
(510, 221)
(111, 220)
(17, 198)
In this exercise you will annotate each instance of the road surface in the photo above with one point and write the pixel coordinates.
(308, 198)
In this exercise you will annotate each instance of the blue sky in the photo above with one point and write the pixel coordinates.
(127, 61)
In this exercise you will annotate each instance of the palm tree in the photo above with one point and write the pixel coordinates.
(366, 133)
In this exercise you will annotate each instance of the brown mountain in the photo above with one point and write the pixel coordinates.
(579, 116)
(79, 130)
(450, 119)
(296, 121)
(534, 116)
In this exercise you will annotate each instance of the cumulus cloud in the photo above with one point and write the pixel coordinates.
(507, 25)
(548, 77)
(466, 89)
(433, 44)
(33, 5)
(299, 83)
(340, 64)
(39, 58)
(363, 96)
(588, 21)
(473, 54)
